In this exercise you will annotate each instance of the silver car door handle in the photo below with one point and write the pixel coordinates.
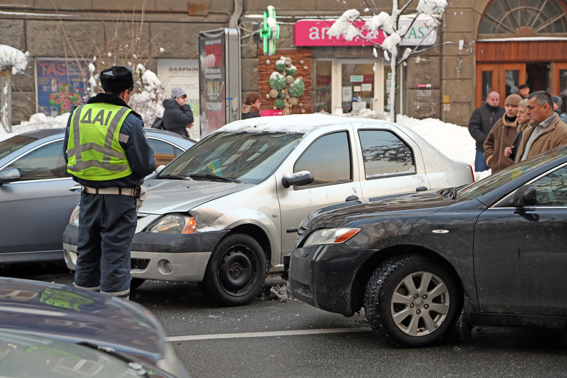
(75, 187)
(421, 189)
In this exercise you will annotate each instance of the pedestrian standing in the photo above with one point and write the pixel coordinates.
(502, 135)
(107, 152)
(481, 123)
(545, 131)
(557, 102)
(177, 116)
(524, 91)
(251, 107)
(523, 119)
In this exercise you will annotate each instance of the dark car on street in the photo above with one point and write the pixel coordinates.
(35, 197)
(494, 251)
(122, 328)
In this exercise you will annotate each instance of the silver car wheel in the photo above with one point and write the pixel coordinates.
(420, 304)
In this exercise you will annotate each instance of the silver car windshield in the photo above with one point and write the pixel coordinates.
(503, 177)
(245, 157)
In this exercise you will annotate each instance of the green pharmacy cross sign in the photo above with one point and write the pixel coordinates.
(270, 31)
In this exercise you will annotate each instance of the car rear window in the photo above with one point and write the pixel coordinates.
(14, 143)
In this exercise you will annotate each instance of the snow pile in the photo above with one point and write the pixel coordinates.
(13, 58)
(344, 27)
(431, 6)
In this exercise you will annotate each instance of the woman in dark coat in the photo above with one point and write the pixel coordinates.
(251, 107)
(177, 116)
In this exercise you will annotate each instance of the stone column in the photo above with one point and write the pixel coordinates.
(6, 98)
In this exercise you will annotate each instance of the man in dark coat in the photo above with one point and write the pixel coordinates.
(177, 116)
(481, 123)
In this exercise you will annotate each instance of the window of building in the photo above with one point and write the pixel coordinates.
(524, 17)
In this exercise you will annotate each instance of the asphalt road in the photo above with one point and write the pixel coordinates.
(274, 338)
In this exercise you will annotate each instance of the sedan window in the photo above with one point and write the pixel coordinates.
(12, 144)
(552, 189)
(164, 152)
(328, 159)
(384, 153)
(46, 162)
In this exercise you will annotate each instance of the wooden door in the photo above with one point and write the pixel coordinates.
(504, 78)
(559, 83)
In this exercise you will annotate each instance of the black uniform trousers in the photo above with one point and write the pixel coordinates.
(107, 223)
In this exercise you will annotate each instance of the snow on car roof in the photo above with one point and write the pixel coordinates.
(301, 123)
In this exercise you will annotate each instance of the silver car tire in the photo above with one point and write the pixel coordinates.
(413, 301)
(236, 271)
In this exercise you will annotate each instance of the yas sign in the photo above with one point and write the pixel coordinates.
(420, 33)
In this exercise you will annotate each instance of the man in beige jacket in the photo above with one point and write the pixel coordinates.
(545, 131)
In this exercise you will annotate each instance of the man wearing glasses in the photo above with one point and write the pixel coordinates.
(545, 131)
(108, 154)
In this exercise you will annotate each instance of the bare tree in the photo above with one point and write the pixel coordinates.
(350, 26)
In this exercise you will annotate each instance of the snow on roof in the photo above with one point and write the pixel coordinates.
(300, 123)
(13, 58)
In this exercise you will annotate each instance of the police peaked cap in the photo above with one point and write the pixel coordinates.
(116, 79)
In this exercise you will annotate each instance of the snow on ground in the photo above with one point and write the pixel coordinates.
(452, 140)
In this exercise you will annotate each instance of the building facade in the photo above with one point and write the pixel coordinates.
(506, 43)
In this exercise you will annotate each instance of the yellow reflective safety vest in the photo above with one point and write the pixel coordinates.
(93, 148)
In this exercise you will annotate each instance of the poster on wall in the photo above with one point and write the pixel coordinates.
(60, 84)
(212, 81)
(182, 73)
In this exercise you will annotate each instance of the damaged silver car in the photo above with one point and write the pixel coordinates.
(224, 213)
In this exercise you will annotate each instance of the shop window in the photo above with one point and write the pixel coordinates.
(524, 17)
(323, 80)
(357, 86)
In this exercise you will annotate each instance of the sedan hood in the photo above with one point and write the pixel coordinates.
(74, 315)
(165, 196)
(423, 203)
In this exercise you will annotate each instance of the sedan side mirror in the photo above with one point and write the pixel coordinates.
(525, 196)
(8, 175)
(298, 178)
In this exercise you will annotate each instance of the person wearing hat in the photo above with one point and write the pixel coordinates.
(557, 102)
(502, 135)
(177, 116)
(545, 130)
(524, 91)
(108, 154)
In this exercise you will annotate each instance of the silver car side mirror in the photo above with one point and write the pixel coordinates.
(8, 175)
(298, 178)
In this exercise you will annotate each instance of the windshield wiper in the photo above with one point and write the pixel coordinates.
(172, 177)
(214, 177)
(451, 193)
(131, 362)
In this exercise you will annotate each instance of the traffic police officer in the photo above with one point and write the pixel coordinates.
(108, 154)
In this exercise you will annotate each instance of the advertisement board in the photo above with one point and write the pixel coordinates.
(60, 84)
(182, 73)
(219, 78)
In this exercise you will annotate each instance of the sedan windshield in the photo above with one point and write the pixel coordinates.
(12, 144)
(503, 177)
(240, 157)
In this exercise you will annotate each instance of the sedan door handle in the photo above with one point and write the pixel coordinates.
(421, 189)
(75, 187)
(351, 198)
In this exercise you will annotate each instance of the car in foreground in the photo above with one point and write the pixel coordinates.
(37, 356)
(223, 213)
(78, 316)
(35, 196)
(493, 250)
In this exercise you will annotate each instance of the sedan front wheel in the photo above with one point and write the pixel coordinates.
(412, 301)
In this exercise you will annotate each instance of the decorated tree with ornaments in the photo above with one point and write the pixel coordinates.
(350, 26)
(285, 87)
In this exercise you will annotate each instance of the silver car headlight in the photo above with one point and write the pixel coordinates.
(330, 236)
(74, 219)
(174, 224)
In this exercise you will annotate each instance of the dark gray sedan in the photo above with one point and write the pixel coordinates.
(35, 200)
